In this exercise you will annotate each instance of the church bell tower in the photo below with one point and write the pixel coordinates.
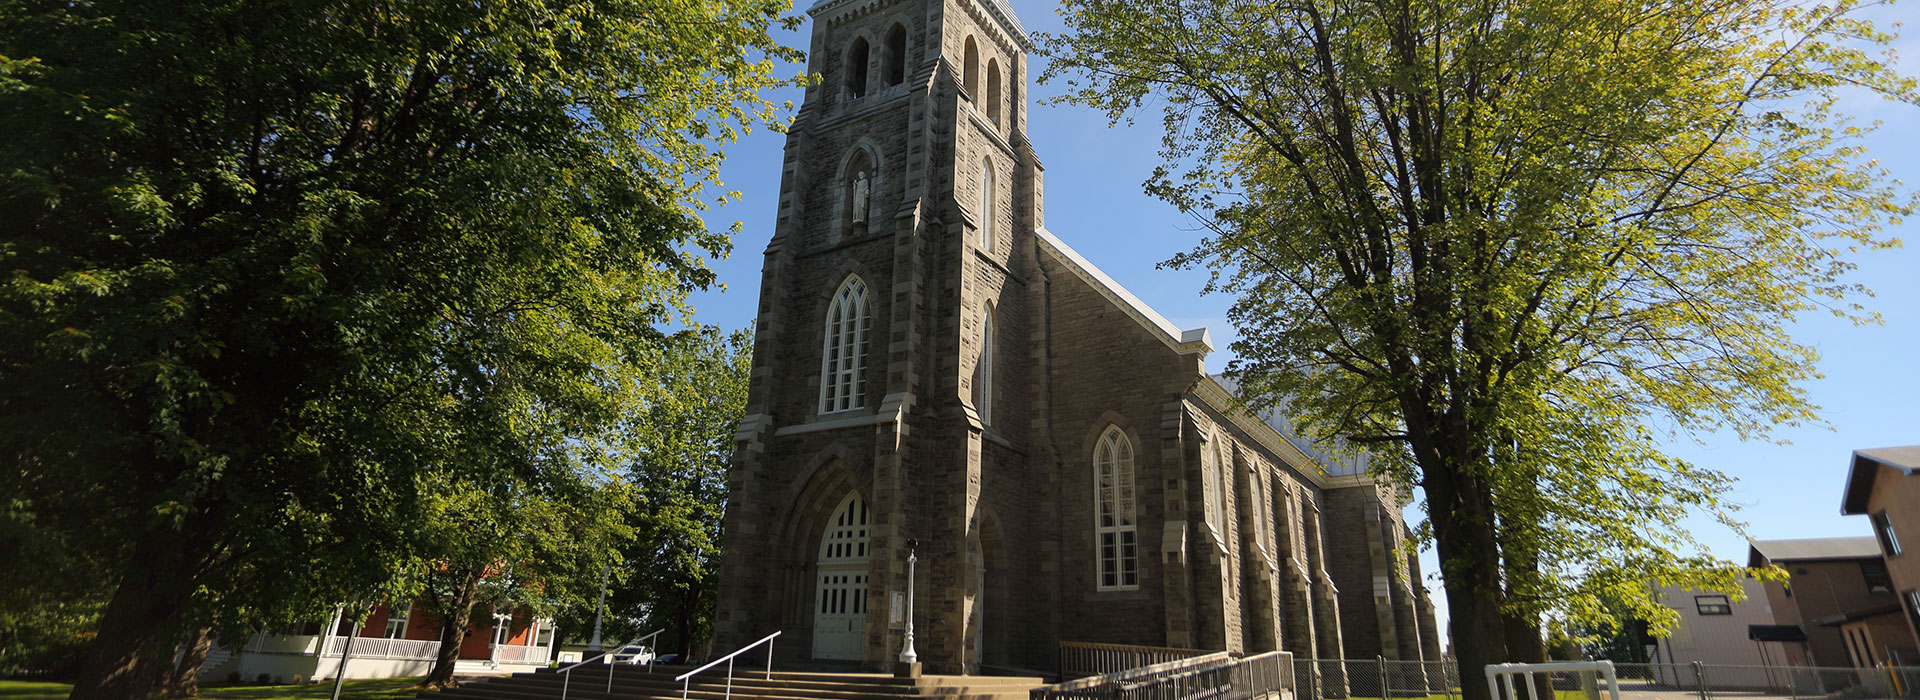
(891, 397)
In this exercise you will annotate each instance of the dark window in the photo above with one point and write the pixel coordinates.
(993, 91)
(857, 68)
(1712, 605)
(896, 57)
(970, 70)
(1875, 573)
(1889, 542)
(1913, 607)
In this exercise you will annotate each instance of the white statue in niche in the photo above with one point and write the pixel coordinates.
(862, 195)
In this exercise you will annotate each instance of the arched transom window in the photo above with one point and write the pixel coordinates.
(843, 356)
(1115, 535)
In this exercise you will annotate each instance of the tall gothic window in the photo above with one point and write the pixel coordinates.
(1116, 538)
(987, 213)
(1261, 507)
(1222, 465)
(857, 68)
(843, 357)
(970, 70)
(993, 91)
(1209, 497)
(983, 373)
(895, 71)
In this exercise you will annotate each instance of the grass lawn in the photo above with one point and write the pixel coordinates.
(17, 690)
(376, 689)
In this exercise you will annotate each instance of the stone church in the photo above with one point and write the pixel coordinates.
(933, 365)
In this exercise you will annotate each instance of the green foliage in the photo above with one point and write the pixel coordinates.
(279, 273)
(1515, 248)
(47, 635)
(679, 480)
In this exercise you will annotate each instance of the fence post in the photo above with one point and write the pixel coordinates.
(1700, 680)
(1382, 661)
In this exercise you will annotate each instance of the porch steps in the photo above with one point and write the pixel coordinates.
(636, 683)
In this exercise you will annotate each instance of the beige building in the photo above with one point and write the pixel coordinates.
(1716, 629)
(933, 365)
(1881, 485)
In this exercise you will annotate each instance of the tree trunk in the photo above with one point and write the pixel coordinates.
(134, 646)
(457, 610)
(1520, 556)
(689, 604)
(1461, 509)
(184, 679)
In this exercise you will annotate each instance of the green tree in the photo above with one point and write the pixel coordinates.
(679, 480)
(510, 547)
(273, 266)
(1513, 248)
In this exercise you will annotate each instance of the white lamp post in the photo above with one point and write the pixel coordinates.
(907, 655)
(599, 610)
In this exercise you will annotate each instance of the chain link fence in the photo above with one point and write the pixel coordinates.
(1360, 679)
(1375, 678)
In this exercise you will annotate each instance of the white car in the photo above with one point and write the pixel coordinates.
(633, 655)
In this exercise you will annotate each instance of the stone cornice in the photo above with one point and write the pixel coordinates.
(1216, 397)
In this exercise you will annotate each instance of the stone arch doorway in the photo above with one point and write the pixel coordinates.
(840, 583)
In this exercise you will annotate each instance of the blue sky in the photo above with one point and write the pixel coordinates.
(1870, 391)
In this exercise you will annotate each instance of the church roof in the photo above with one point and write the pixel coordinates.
(1341, 460)
(1190, 340)
(1004, 10)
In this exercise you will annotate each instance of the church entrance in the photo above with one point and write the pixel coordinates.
(840, 599)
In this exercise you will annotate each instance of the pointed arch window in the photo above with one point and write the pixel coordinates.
(1213, 489)
(986, 208)
(857, 68)
(895, 71)
(843, 355)
(1222, 465)
(983, 373)
(993, 92)
(1261, 507)
(970, 70)
(1116, 536)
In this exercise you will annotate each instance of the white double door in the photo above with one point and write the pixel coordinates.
(840, 590)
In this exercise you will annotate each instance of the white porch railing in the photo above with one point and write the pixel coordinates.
(386, 648)
(516, 654)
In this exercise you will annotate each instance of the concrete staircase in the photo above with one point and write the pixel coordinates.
(636, 683)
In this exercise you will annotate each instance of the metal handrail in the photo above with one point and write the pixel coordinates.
(767, 640)
(568, 669)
